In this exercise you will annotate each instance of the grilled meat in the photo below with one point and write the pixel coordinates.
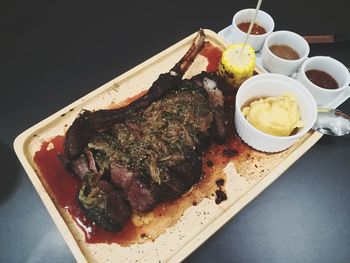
(135, 157)
(104, 205)
(88, 122)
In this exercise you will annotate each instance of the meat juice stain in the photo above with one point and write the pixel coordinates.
(64, 186)
(213, 55)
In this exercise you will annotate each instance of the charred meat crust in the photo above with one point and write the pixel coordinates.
(135, 157)
(216, 88)
(221, 84)
(89, 122)
(80, 131)
(77, 135)
(101, 119)
(106, 206)
(152, 157)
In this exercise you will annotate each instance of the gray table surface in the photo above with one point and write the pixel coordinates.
(54, 52)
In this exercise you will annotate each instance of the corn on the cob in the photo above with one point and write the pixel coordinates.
(237, 66)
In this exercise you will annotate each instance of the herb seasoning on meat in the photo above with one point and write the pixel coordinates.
(133, 158)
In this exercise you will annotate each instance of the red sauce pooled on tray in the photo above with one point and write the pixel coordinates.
(256, 30)
(213, 54)
(63, 186)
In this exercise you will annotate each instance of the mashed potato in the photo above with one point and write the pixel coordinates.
(277, 116)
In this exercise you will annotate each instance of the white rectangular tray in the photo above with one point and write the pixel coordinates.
(192, 230)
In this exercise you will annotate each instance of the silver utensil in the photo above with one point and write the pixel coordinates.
(332, 122)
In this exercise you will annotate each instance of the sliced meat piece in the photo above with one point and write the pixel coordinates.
(121, 176)
(141, 196)
(182, 177)
(80, 166)
(104, 205)
(91, 161)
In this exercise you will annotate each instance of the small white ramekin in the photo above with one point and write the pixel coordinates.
(246, 15)
(331, 66)
(271, 85)
(273, 63)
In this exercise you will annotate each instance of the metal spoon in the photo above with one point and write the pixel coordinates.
(332, 122)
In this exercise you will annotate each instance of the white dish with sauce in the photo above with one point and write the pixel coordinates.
(275, 64)
(263, 19)
(332, 67)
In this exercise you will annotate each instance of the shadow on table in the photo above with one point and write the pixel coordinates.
(9, 174)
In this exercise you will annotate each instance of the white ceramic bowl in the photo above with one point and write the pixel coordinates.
(270, 85)
(275, 64)
(331, 66)
(246, 15)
